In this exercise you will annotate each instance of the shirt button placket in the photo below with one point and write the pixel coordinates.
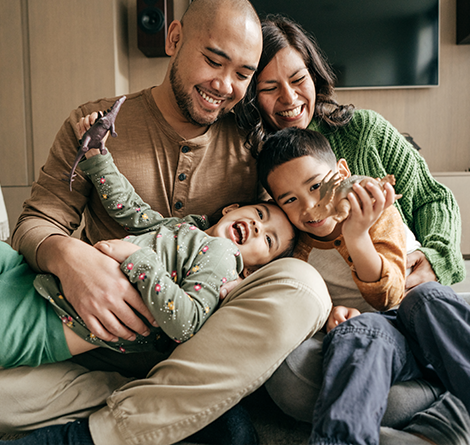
(181, 188)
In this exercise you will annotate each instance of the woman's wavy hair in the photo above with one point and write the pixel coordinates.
(280, 32)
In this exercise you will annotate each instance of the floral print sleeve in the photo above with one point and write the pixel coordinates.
(118, 196)
(182, 299)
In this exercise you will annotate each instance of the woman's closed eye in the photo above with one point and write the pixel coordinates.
(299, 80)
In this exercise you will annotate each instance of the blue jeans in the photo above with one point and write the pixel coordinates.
(364, 356)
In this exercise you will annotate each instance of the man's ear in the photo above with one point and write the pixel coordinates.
(342, 168)
(174, 36)
(230, 208)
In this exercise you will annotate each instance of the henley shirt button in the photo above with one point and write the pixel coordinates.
(182, 177)
(178, 205)
(337, 242)
(185, 149)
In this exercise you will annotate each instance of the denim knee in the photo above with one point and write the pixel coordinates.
(424, 300)
(426, 292)
(368, 323)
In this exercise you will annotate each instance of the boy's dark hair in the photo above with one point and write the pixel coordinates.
(291, 143)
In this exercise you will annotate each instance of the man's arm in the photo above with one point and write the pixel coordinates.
(92, 282)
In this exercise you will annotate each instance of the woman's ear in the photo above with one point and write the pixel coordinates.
(174, 36)
(342, 168)
(230, 208)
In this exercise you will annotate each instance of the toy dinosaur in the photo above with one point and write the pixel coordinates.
(333, 195)
(94, 136)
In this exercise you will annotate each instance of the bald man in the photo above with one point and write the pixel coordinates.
(179, 146)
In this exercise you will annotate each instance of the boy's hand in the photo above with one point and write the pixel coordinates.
(83, 125)
(367, 204)
(339, 314)
(117, 249)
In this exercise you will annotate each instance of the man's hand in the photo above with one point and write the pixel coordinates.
(95, 286)
(116, 249)
(421, 270)
(339, 314)
(228, 287)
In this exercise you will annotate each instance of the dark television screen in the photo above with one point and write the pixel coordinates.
(371, 43)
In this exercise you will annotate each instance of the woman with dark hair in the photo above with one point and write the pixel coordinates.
(294, 87)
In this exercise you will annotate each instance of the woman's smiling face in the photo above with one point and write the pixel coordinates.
(286, 92)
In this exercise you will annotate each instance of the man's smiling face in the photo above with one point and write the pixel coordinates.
(212, 68)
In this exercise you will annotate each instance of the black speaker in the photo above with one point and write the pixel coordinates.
(463, 22)
(153, 18)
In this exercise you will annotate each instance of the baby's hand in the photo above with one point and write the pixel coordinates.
(83, 125)
(117, 249)
(339, 314)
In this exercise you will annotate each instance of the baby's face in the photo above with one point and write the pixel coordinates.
(296, 188)
(261, 232)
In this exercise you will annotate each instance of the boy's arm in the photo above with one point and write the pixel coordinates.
(118, 196)
(375, 239)
(181, 304)
(367, 204)
(389, 240)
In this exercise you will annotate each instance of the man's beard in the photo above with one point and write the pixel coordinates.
(184, 100)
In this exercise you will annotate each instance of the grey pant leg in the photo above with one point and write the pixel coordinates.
(295, 386)
(445, 422)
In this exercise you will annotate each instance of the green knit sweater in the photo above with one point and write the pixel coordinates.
(373, 147)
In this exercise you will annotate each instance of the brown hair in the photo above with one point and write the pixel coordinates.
(280, 32)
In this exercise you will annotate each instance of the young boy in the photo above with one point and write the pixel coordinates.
(365, 354)
(367, 251)
(178, 265)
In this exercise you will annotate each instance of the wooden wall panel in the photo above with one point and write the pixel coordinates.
(13, 146)
(72, 47)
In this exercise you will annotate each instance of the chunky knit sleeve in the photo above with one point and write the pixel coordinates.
(372, 146)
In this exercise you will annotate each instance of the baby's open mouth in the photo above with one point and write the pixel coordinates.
(240, 233)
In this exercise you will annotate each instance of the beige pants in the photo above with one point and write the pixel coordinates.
(239, 347)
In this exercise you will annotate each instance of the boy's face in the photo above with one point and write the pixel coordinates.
(261, 232)
(296, 188)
